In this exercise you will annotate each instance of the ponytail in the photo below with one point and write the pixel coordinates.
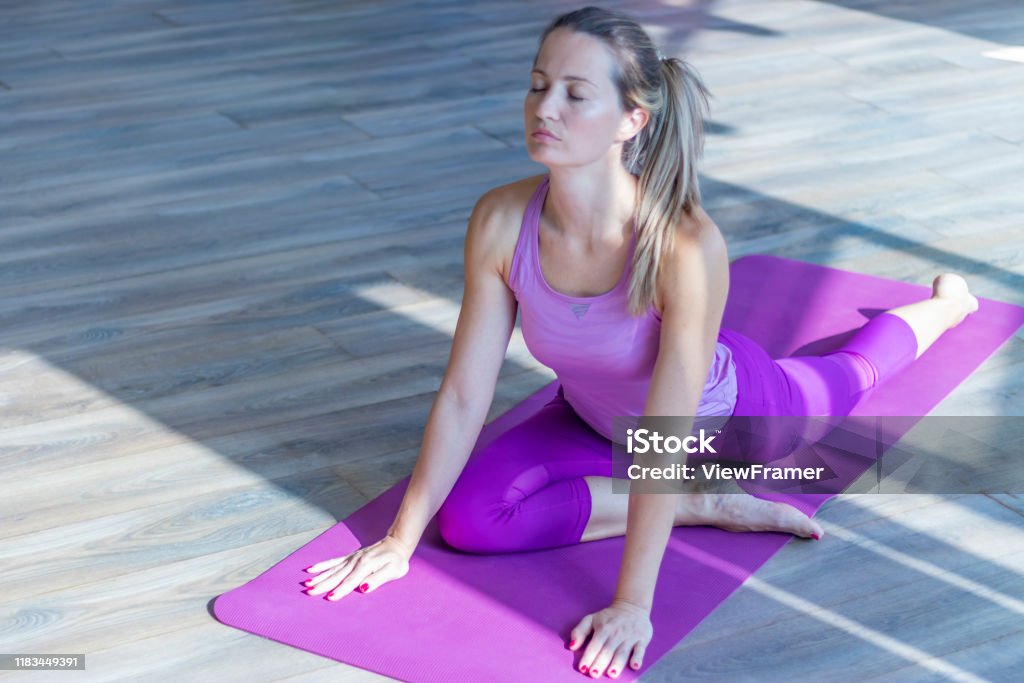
(665, 156)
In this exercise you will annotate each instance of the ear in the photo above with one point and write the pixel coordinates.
(633, 123)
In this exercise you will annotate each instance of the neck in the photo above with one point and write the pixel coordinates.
(592, 205)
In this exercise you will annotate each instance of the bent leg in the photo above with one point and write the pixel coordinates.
(525, 490)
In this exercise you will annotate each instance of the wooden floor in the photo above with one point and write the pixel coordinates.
(230, 267)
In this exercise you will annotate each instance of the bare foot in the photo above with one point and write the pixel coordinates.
(744, 512)
(952, 287)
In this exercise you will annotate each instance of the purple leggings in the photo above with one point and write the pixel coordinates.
(525, 489)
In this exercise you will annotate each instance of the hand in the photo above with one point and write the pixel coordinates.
(621, 632)
(369, 567)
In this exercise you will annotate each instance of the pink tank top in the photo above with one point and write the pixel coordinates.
(603, 357)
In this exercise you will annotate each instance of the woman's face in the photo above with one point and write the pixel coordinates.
(573, 98)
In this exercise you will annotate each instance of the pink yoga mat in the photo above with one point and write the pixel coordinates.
(463, 617)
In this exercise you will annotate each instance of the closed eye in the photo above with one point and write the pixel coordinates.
(571, 96)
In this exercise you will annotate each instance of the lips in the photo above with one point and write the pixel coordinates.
(541, 133)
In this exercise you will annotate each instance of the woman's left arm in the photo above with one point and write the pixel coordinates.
(693, 283)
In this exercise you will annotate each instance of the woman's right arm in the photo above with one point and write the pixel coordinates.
(482, 334)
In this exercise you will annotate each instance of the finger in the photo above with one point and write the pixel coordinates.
(618, 662)
(358, 576)
(321, 578)
(604, 658)
(372, 581)
(333, 578)
(385, 574)
(590, 654)
(318, 579)
(346, 587)
(580, 633)
(637, 660)
(340, 569)
(328, 581)
(326, 564)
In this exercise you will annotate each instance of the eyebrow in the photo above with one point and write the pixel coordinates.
(568, 78)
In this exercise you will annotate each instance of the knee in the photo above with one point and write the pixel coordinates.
(866, 373)
(464, 523)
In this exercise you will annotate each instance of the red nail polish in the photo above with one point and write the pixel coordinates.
(364, 587)
(572, 643)
(612, 672)
(583, 668)
(816, 537)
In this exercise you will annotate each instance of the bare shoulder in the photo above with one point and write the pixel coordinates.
(699, 251)
(705, 235)
(497, 218)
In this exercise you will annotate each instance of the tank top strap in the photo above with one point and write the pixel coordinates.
(520, 270)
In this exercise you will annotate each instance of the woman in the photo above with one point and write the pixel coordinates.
(621, 279)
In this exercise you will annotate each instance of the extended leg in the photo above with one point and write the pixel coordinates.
(833, 384)
(950, 303)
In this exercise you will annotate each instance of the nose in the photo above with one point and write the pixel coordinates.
(547, 108)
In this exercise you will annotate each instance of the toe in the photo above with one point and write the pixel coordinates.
(797, 523)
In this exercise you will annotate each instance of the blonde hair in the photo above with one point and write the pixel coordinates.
(665, 153)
